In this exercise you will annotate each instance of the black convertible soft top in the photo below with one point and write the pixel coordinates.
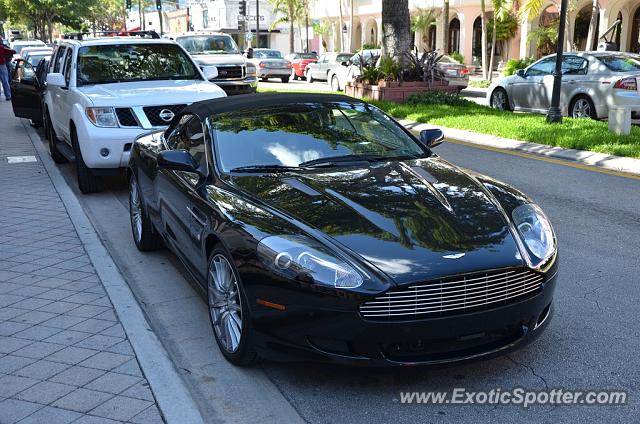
(207, 108)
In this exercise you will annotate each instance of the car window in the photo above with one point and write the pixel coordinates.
(57, 61)
(24, 70)
(621, 63)
(191, 139)
(173, 140)
(342, 58)
(67, 66)
(574, 65)
(267, 54)
(543, 67)
(292, 134)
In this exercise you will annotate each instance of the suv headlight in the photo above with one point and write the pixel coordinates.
(251, 70)
(536, 232)
(102, 117)
(299, 256)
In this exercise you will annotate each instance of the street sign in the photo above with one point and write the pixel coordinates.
(248, 36)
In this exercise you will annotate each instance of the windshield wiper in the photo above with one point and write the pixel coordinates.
(265, 168)
(334, 160)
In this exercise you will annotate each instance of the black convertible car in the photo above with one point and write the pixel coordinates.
(320, 229)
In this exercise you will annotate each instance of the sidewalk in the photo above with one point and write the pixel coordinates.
(64, 356)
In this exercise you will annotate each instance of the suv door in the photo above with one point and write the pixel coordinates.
(26, 89)
(60, 108)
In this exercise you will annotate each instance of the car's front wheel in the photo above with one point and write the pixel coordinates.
(87, 182)
(50, 135)
(144, 235)
(499, 99)
(582, 107)
(308, 76)
(335, 83)
(228, 310)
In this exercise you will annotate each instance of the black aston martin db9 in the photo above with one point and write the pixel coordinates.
(321, 229)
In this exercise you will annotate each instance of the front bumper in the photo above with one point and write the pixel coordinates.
(244, 86)
(308, 333)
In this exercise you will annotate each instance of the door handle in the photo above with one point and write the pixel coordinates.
(195, 213)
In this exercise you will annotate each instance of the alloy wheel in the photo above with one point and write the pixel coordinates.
(135, 209)
(581, 109)
(335, 84)
(224, 303)
(499, 100)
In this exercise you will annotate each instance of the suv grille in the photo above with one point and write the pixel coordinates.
(153, 114)
(126, 117)
(229, 72)
(453, 295)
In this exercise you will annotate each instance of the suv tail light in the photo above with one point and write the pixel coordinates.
(628, 83)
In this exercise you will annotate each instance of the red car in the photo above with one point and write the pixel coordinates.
(299, 62)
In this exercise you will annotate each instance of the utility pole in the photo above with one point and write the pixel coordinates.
(555, 114)
(306, 22)
(257, 24)
(140, 15)
(159, 7)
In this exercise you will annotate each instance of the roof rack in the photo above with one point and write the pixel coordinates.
(87, 34)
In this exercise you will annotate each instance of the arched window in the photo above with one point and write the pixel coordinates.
(477, 38)
(635, 32)
(431, 43)
(581, 29)
(454, 35)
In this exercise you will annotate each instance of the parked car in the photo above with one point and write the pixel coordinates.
(592, 82)
(299, 63)
(319, 70)
(338, 76)
(102, 93)
(18, 45)
(319, 228)
(28, 83)
(34, 54)
(454, 72)
(236, 75)
(269, 63)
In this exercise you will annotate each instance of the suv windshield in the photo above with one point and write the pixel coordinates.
(208, 44)
(267, 54)
(621, 63)
(289, 136)
(134, 62)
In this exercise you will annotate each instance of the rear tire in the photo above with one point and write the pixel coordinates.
(308, 77)
(582, 107)
(335, 83)
(51, 137)
(144, 235)
(285, 79)
(87, 182)
(228, 310)
(499, 99)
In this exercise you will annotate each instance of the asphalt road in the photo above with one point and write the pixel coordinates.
(592, 343)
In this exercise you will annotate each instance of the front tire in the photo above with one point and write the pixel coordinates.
(144, 235)
(87, 182)
(499, 99)
(582, 107)
(335, 83)
(50, 135)
(228, 310)
(308, 77)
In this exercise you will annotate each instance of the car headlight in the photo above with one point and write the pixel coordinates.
(536, 232)
(251, 70)
(301, 257)
(102, 116)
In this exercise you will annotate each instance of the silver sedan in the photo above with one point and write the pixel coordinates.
(592, 83)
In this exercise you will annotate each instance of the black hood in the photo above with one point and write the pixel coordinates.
(413, 220)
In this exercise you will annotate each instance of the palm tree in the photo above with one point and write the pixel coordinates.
(396, 31)
(483, 41)
(288, 11)
(533, 8)
(500, 11)
(445, 27)
(423, 21)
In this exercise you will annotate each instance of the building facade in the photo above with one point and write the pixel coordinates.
(464, 34)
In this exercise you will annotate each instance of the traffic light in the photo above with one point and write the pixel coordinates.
(243, 8)
(158, 4)
(128, 4)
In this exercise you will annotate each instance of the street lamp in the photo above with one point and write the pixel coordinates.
(555, 114)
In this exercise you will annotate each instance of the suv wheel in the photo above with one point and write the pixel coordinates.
(50, 135)
(87, 182)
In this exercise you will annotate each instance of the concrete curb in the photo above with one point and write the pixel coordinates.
(172, 396)
(599, 160)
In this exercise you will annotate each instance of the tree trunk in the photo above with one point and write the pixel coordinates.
(351, 27)
(493, 44)
(445, 27)
(291, 27)
(483, 60)
(341, 47)
(396, 28)
(592, 25)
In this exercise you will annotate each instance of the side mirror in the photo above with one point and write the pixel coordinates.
(210, 72)
(520, 73)
(56, 79)
(345, 63)
(431, 137)
(177, 160)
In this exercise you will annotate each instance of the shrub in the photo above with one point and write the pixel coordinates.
(457, 57)
(438, 97)
(389, 68)
(479, 83)
(370, 46)
(514, 64)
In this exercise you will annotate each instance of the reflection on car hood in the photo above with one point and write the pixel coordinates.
(144, 93)
(413, 220)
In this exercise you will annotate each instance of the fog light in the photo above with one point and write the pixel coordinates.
(104, 152)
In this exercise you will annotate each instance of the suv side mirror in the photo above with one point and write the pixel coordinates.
(345, 62)
(210, 72)
(177, 160)
(431, 137)
(56, 79)
(520, 73)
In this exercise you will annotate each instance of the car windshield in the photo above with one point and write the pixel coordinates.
(134, 62)
(343, 57)
(208, 44)
(18, 47)
(621, 63)
(292, 135)
(267, 54)
(34, 59)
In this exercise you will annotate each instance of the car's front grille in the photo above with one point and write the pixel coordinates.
(229, 72)
(453, 295)
(126, 118)
(159, 116)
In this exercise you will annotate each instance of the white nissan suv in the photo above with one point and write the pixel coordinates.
(102, 93)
